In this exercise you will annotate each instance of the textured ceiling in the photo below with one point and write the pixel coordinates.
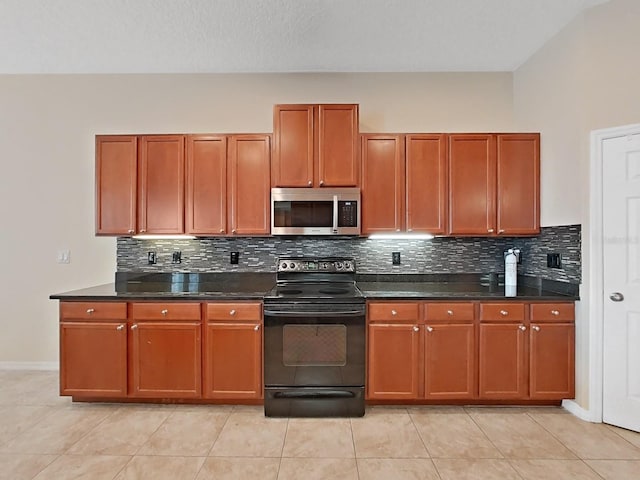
(166, 36)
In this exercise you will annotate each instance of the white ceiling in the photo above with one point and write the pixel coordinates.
(212, 36)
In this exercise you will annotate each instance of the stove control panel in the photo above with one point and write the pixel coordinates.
(326, 266)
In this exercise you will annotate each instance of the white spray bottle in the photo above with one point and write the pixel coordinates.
(511, 271)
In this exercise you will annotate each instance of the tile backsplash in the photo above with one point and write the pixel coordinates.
(438, 255)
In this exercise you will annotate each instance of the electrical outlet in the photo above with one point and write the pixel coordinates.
(554, 260)
(233, 260)
(176, 257)
(64, 256)
(395, 258)
(152, 258)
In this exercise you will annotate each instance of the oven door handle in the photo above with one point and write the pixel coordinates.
(315, 395)
(337, 313)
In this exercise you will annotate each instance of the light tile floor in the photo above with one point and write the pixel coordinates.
(44, 436)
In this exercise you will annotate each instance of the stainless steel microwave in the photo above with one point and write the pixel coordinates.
(315, 211)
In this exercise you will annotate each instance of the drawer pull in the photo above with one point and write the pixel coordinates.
(134, 326)
(256, 328)
(429, 329)
(522, 327)
(416, 328)
(90, 311)
(232, 313)
(164, 312)
(504, 313)
(555, 312)
(449, 312)
(393, 312)
(536, 328)
(120, 327)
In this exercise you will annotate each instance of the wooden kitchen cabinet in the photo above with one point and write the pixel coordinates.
(494, 184)
(315, 146)
(165, 350)
(248, 185)
(233, 351)
(206, 185)
(426, 183)
(93, 349)
(383, 184)
(116, 184)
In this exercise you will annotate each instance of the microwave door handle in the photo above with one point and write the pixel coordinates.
(335, 214)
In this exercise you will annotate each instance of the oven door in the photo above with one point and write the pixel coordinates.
(314, 345)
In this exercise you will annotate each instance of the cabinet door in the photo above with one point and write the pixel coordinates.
(552, 361)
(503, 365)
(382, 184)
(233, 360)
(518, 187)
(293, 147)
(161, 184)
(206, 185)
(426, 170)
(450, 366)
(249, 190)
(166, 359)
(393, 371)
(337, 161)
(116, 176)
(93, 359)
(472, 184)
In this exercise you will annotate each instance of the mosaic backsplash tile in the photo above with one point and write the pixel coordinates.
(438, 255)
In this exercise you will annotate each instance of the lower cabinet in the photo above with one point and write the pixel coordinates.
(503, 361)
(233, 351)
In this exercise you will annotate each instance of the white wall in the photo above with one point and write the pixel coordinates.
(586, 78)
(47, 128)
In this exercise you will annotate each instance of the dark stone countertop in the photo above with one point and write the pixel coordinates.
(254, 286)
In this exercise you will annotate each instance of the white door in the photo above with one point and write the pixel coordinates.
(621, 248)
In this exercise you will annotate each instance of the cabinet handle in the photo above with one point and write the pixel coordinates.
(536, 328)
(164, 312)
(232, 312)
(501, 231)
(504, 313)
(321, 182)
(555, 312)
(134, 326)
(449, 312)
(522, 327)
(222, 230)
(429, 329)
(490, 230)
(120, 327)
(393, 312)
(309, 183)
(90, 311)
(233, 231)
(129, 231)
(142, 230)
(416, 328)
(256, 328)
(397, 229)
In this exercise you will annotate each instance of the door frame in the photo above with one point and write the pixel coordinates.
(596, 267)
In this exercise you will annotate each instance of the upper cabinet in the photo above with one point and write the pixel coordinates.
(315, 146)
(494, 184)
(116, 184)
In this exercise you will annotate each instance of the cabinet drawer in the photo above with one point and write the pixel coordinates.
(165, 311)
(393, 311)
(502, 312)
(448, 311)
(552, 312)
(93, 310)
(234, 311)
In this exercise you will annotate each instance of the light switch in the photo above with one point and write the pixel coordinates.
(64, 256)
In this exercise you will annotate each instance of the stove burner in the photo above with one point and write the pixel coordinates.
(333, 291)
(290, 291)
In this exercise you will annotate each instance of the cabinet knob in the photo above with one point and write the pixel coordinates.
(429, 329)
(222, 230)
(164, 312)
(490, 230)
(134, 326)
(130, 231)
(416, 328)
(555, 312)
(501, 231)
(449, 312)
(142, 230)
(232, 312)
(393, 312)
(536, 328)
(120, 327)
(233, 231)
(522, 327)
(504, 313)
(321, 182)
(397, 229)
(256, 328)
(309, 183)
(90, 311)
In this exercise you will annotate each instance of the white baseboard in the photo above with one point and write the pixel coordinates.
(581, 413)
(29, 366)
